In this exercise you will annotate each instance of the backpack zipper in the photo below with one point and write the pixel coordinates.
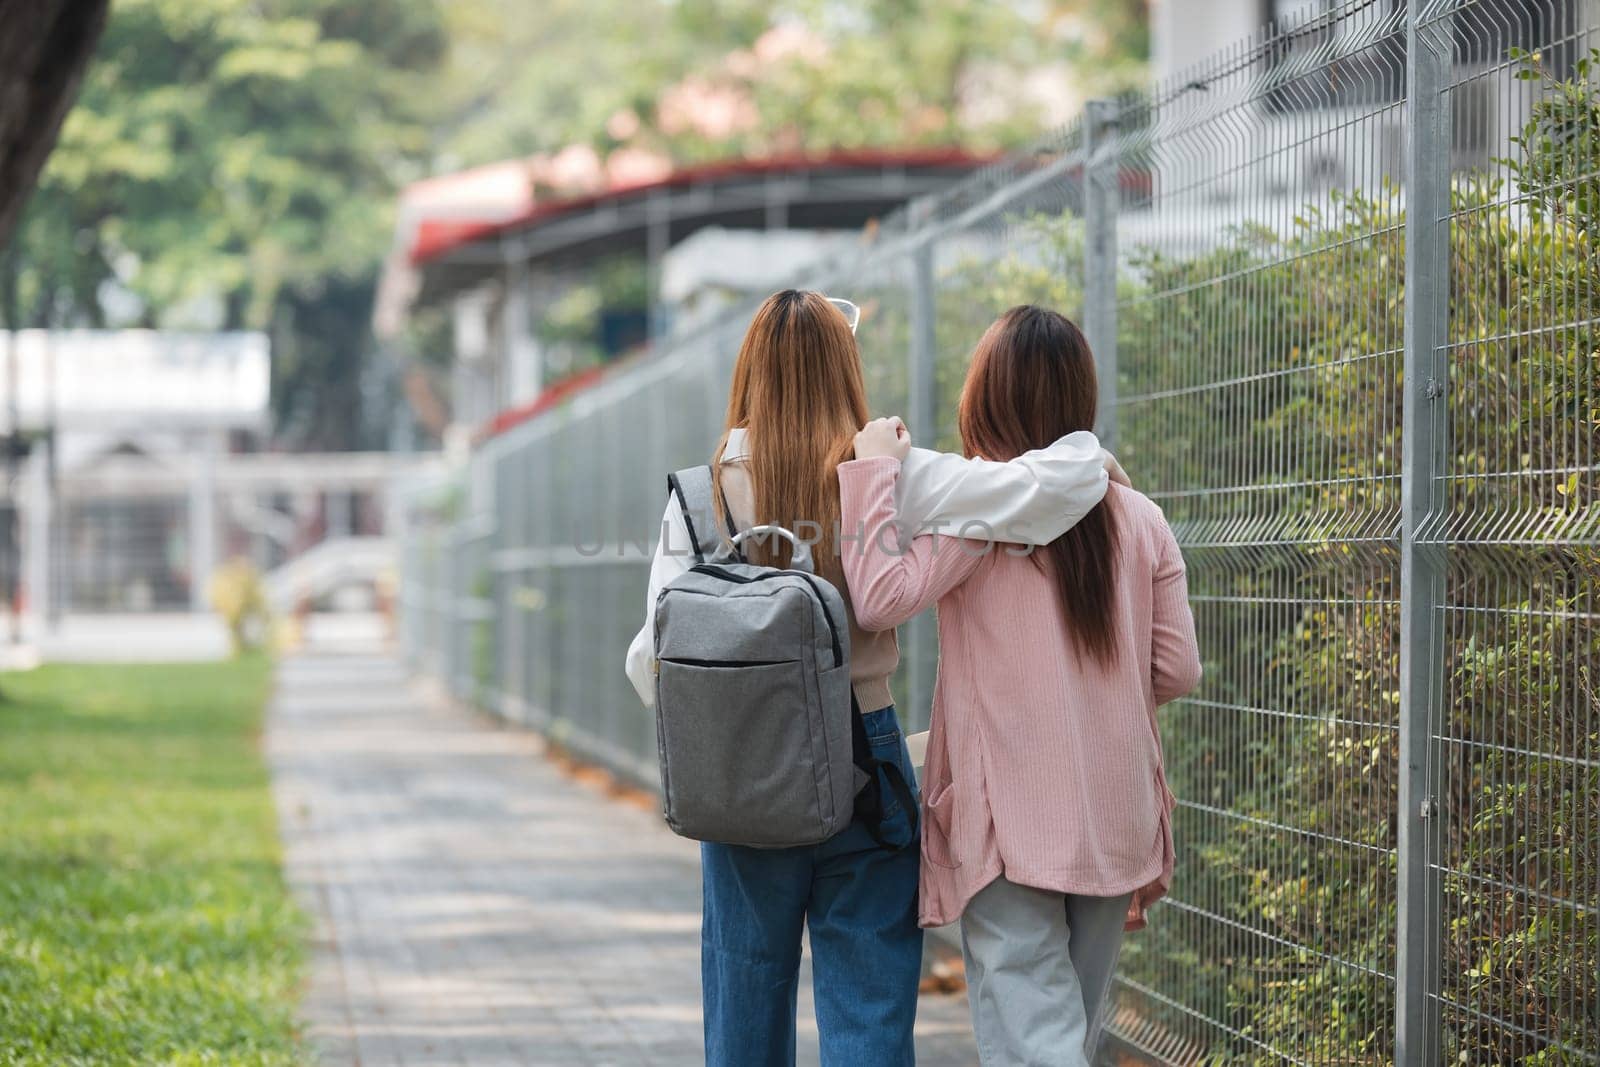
(728, 662)
(833, 630)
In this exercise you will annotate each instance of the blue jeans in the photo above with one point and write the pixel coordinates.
(860, 904)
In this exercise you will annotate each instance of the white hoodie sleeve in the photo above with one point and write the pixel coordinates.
(674, 555)
(1030, 500)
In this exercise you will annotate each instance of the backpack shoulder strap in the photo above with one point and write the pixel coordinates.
(692, 489)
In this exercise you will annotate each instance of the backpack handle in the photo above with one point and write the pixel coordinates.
(800, 558)
(768, 528)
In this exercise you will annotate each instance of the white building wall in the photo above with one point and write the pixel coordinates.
(524, 360)
(1185, 32)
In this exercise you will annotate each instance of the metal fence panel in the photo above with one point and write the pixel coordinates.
(1514, 744)
(1340, 279)
(1259, 356)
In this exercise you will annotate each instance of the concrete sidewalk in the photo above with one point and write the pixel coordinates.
(474, 905)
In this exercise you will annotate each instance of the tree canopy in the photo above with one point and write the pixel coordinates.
(712, 78)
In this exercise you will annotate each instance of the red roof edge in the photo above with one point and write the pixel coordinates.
(436, 241)
(550, 397)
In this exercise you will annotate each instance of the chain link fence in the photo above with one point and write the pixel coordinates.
(1341, 280)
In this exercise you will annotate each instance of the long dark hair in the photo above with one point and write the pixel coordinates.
(1031, 381)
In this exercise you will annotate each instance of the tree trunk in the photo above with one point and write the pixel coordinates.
(44, 47)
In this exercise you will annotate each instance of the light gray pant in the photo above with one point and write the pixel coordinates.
(1039, 967)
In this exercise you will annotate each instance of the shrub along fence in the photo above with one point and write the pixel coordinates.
(1342, 284)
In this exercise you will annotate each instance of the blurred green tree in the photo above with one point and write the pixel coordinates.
(232, 164)
(700, 79)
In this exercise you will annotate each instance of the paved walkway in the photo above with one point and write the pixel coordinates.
(474, 905)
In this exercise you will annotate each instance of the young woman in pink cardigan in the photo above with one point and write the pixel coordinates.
(1046, 810)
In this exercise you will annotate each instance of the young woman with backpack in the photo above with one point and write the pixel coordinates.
(796, 404)
(1045, 807)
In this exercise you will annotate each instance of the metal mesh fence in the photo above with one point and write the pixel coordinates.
(1341, 283)
(1260, 355)
(1511, 893)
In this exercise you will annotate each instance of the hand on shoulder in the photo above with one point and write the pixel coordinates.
(884, 437)
(1114, 470)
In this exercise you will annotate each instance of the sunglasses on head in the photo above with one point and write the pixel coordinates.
(851, 313)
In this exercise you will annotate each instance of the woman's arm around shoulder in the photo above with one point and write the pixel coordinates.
(1174, 650)
(1030, 500)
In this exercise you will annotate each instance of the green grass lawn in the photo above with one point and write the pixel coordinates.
(143, 912)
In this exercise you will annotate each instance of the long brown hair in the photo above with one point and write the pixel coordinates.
(797, 388)
(1032, 380)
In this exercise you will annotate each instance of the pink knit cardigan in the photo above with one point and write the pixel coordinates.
(1042, 764)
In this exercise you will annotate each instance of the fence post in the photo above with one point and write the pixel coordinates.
(1100, 194)
(1425, 380)
(922, 406)
(923, 388)
(202, 523)
(452, 605)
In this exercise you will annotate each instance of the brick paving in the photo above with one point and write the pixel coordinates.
(473, 905)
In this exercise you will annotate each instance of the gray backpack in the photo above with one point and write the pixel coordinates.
(760, 739)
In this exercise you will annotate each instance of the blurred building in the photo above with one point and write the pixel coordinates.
(718, 266)
(543, 275)
(143, 469)
(1325, 66)
(126, 429)
(1188, 38)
